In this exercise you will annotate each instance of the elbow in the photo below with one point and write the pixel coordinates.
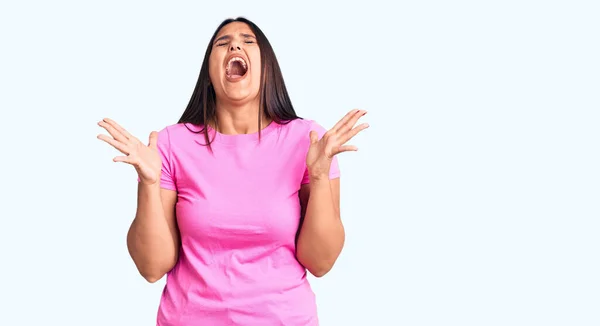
(152, 273)
(318, 256)
(152, 278)
(320, 271)
(317, 267)
(153, 268)
(317, 264)
(155, 272)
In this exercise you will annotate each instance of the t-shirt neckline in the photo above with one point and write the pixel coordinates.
(240, 138)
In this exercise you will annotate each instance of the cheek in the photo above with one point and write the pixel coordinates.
(214, 67)
(256, 69)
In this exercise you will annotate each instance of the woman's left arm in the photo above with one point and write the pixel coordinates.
(322, 235)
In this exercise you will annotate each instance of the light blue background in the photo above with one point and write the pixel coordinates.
(473, 200)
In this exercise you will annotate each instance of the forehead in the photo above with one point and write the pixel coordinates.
(235, 28)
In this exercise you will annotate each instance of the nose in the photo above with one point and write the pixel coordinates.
(235, 47)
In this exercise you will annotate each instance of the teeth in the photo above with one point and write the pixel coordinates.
(236, 59)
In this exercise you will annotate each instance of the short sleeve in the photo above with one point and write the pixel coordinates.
(334, 170)
(163, 144)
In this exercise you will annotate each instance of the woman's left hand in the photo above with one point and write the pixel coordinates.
(321, 151)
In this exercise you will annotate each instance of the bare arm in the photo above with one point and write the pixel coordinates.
(322, 233)
(153, 238)
(321, 237)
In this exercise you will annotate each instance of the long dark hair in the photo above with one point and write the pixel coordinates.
(275, 102)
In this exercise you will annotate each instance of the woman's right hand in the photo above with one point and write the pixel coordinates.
(144, 158)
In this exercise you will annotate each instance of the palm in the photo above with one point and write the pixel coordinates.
(324, 147)
(144, 158)
(148, 162)
(322, 151)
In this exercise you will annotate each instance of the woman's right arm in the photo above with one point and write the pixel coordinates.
(153, 238)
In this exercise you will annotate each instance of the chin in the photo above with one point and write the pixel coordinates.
(237, 95)
(240, 90)
(238, 83)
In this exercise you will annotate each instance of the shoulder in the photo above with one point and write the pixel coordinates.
(303, 126)
(179, 135)
(179, 131)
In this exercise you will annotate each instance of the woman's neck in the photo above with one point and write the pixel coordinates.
(239, 119)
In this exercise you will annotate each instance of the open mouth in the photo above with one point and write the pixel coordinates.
(236, 68)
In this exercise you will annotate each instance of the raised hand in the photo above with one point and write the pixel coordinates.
(321, 152)
(144, 158)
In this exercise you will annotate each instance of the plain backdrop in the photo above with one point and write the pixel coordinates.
(473, 198)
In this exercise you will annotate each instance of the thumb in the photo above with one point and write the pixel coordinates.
(314, 137)
(153, 139)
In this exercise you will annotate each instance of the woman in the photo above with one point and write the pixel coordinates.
(240, 197)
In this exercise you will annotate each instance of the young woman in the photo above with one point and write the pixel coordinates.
(240, 197)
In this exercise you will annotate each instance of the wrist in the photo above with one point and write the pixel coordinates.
(150, 185)
(319, 177)
(319, 170)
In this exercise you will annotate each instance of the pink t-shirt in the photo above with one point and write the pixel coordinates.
(238, 213)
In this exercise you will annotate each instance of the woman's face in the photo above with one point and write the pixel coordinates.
(234, 64)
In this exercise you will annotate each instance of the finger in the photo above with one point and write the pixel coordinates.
(113, 132)
(355, 118)
(314, 137)
(114, 143)
(343, 121)
(153, 139)
(118, 127)
(124, 159)
(345, 148)
(353, 132)
(352, 121)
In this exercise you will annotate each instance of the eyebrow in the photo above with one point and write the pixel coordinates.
(228, 37)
